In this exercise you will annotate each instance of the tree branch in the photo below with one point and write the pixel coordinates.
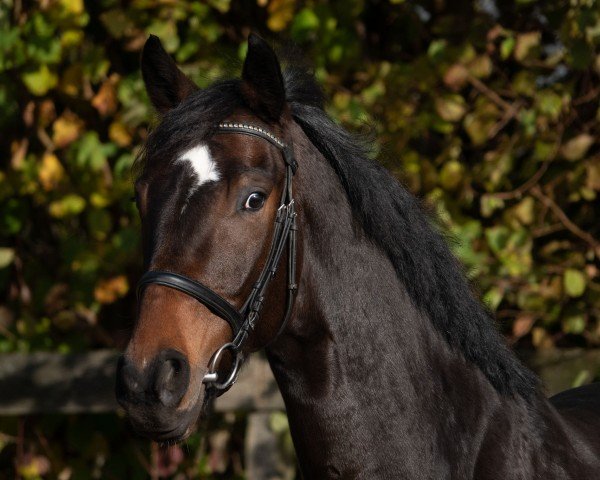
(565, 220)
(518, 192)
(493, 96)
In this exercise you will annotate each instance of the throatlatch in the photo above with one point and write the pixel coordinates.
(244, 320)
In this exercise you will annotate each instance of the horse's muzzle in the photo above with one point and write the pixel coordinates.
(151, 396)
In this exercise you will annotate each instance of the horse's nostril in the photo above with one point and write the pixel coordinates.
(130, 384)
(165, 381)
(171, 378)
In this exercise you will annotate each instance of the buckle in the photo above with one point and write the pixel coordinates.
(211, 377)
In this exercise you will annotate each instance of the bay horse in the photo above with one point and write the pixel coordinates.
(388, 364)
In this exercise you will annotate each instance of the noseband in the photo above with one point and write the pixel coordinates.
(242, 321)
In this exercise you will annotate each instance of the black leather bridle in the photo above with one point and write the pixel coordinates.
(242, 321)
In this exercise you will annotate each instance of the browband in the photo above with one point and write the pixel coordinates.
(254, 131)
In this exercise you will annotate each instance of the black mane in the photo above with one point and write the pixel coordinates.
(394, 220)
(389, 214)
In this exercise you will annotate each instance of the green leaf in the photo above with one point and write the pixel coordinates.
(549, 103)
(91, 153)
(305, 22)
(584, 377)
(436, 49)
(117, 22)
(493, 297)
(527, 119)
(167, 32)
(450, 107)
(497, 237)
(574, 282)
(574, 324)
(69, 205)
(507, 46)
(477, 127)
(451, 175)
(489, 204)
(221, 5)
(40, 81)
(543, 150)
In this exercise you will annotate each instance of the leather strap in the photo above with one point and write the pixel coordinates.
(254, 131)
(203, 294)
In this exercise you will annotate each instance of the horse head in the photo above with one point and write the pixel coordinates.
(218, 217)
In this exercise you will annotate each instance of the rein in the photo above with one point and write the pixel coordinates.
(242, 321)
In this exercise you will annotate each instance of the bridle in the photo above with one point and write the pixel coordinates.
(242, 321)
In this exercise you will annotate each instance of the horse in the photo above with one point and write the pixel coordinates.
(267, 225)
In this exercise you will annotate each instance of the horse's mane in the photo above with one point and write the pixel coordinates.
(389, 214)
(394, 220)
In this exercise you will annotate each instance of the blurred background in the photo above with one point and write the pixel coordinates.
(488, 110)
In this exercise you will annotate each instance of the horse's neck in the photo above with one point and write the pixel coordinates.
(365, 379)
(369, 385)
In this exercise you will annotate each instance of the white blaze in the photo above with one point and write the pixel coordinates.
(204, 167)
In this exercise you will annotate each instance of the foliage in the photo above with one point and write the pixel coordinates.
(102, 446)
(488, 110)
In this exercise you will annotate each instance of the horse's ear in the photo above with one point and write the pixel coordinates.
(263, 83)
(166, 85)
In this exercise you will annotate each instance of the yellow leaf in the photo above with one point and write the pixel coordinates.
(450, 107)
(577, 147)
(66, 129)
(7, 256)
(574, 282)
(593, 175)
(105, 101)
(71, 38)
(73, 7)
(109, 290)
(99, 200)
(525, 43)
(456, 76)
(118, 133)
(480, 67)
(68, 206)
(40, 81)
(51, 172)
(524, 211)
(281, 13)
(34, 467)
(451, 175)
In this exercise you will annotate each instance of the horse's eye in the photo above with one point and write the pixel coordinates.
(255, 201)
